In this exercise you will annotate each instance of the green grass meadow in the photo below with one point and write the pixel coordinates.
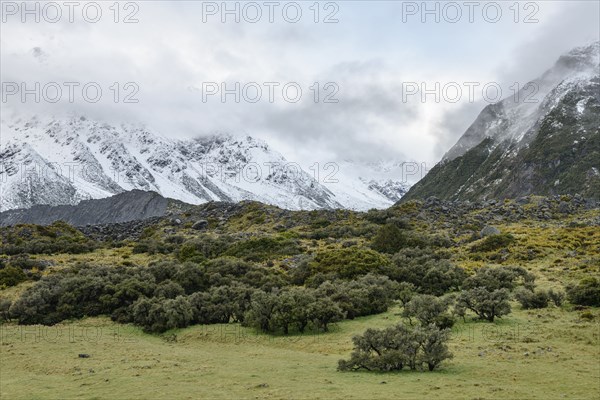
(541, 354)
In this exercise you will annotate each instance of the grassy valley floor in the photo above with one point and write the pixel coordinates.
(539, 354)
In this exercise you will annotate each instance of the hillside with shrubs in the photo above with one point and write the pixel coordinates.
(433, 264)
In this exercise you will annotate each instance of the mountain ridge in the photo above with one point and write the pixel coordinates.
(515, 149)
(123, 207)
(64, 161)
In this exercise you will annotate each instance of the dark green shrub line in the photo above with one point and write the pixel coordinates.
(167, 295)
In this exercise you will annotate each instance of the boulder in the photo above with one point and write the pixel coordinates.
(489, 231)
(564, 207)
(200, 225)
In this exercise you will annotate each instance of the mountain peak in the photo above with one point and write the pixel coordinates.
(581, 58)
(515, 148)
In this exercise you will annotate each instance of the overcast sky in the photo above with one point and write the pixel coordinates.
(370, 57)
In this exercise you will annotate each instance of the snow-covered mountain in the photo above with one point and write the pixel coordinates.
(370, 184)
(545, 140)
(54, 161)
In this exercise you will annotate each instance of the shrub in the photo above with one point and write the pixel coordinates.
(191, 277)
(5, 309)
(168, 290)
(31, 267)
(11, 276)
(232, 269)
(499, 278)
(429, 310)
(426, 271)
(159, 314)
(486, 304)
(389, 239)
(397, 347)
(585, 293)
(83, 291)
(379, 217)
(221, 304)
(264, 248)
(58, 237)
(367, 295)
(324, 312)
(556, 297)
(530, 299)
(203, 247)
(349, 262)
(405, 292)
(493, 242)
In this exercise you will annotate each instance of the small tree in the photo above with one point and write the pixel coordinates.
(303, 299)
(405, 292)
(285, 308)
(434, 347)
(487, 305)
(389, 239)
(396, 347)
(428, 310)
(262, 311)
(426, 270)
(324, 312)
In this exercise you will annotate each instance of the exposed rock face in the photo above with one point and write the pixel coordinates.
(128, 206)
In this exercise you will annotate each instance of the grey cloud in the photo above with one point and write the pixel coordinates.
(172, 51)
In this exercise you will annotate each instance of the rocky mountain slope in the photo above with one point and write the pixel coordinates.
(124, 207)
(521, 146)
(51, 161)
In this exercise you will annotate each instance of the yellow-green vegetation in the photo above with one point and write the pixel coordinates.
(557, 254)
(542, 354)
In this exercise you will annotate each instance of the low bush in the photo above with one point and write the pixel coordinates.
(585, 293)
(427, 271)
(484, 303)
(397, 347)
(557, 297)
(349, 262)
(367, 295)
(264, 248)
(532, 299)
(203, 247)
(500, 278)
(429, 310)
(56, 238)
(493, 242)
(11, 276)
